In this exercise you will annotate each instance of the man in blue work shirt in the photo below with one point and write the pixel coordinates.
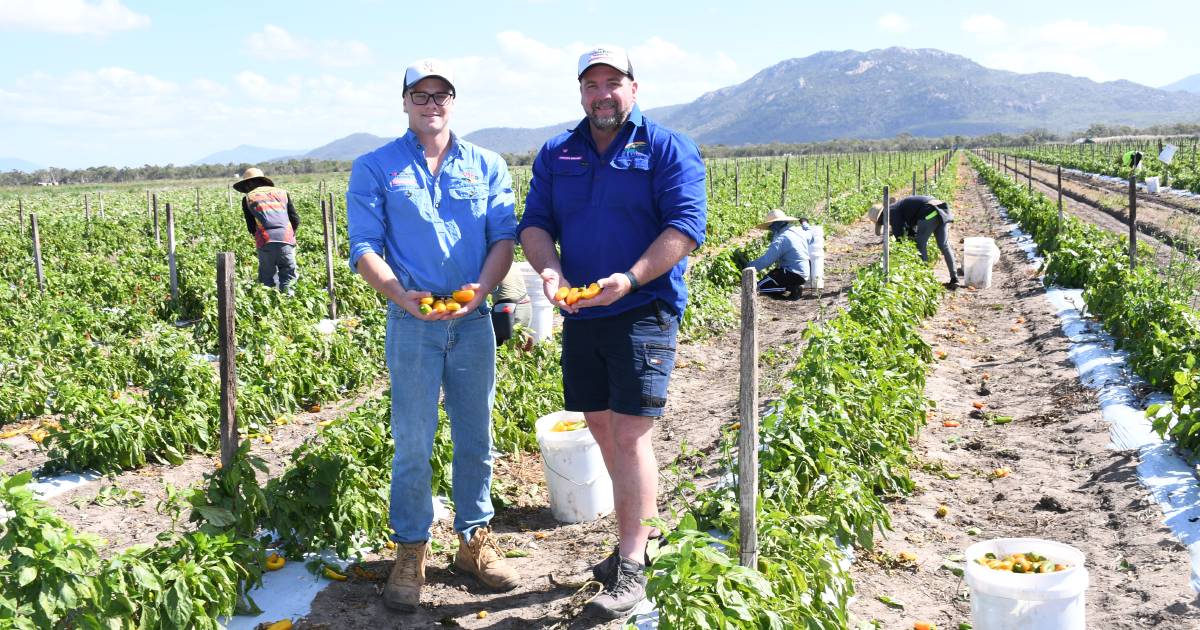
(625, 200)
(789, 248)
(430, 214)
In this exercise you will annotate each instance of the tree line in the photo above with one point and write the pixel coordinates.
(151, 172)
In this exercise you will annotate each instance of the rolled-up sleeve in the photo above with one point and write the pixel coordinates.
(538, 201)
(679, 188)
(365, 218)
(501, 216)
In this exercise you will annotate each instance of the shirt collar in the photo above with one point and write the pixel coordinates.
(410, 138)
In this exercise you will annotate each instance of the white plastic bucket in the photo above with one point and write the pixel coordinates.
(1001, 600)
(816, 257)
(578, 482)
(1152, 184)
(979, 254)
(542, 319)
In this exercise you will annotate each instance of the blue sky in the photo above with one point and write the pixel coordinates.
(129, 82)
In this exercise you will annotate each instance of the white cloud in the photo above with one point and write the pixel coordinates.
(1074, 47)
(987, 26)
(120, 116)
(73, 17)
(1081, 35)
(274, 43)
(893, 23)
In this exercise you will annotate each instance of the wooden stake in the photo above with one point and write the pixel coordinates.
(748, 431)
(887, 234)
(1132, 220)
(737, 183)
(228, 348)
(87, 208)
(21, 213)
(157, 239)
(171, 269)
(1060, 207)
(783, 187)
(326, 216)
(37, 253)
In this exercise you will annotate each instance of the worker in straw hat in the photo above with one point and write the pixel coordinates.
(788, 251)
(917, 217)
(272, 220)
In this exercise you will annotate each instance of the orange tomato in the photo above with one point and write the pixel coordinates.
(452, 306)
(951, 423)
(427, 300)
(561, 293)
(591, 291)
(439, 306)
(463, 296)
(574, 295)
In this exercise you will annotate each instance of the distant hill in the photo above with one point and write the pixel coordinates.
(17, 164)
(520, 140)
(347, 148)
(883, 93)
(1186, 84)
(245, 154)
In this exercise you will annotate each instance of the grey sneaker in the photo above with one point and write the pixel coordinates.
(603, 571)
(623, 592)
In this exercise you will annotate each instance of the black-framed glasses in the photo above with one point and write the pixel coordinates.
(439, 98)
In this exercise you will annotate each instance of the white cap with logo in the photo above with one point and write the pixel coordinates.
(614, 56)
(425, 68)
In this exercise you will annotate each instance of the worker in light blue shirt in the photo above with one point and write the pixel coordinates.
(430, 214)
(788, 251)
(625, 201)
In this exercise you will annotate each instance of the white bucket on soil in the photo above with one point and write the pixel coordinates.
(1002, 600)
(979, 254)
(578, 482)
(816, 258)
(1152, 185)
(542, 320)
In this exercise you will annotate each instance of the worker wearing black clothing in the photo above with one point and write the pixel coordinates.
(917, 217)
(272, 220)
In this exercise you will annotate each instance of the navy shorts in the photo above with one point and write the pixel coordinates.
(622, 363)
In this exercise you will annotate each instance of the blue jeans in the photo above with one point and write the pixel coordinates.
(277, 265)
(423, 358)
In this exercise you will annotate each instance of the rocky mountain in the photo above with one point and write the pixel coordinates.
(245, 154)
(1186, 84)
(883, 93)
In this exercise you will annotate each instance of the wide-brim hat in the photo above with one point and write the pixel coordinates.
(775, 216)
(251, 179)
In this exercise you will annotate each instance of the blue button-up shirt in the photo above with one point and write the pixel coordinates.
(606, 210)
(789, 247)
(433, 231)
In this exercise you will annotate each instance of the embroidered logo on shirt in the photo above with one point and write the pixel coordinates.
(570, 157)
(470, 176)
(399, 178)
(636, 147)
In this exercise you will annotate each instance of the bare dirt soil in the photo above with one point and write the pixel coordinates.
(1005, 350)
(702, 405)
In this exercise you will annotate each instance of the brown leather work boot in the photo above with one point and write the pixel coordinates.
(482, 558)
(403, 590)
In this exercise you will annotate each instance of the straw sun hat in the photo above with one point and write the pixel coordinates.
(774, 216)
(251, 179)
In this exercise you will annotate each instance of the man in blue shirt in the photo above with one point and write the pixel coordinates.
(789, 248)
(430, 214)
(625, 200)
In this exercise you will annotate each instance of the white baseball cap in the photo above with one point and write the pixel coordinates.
(614, 56)
(425, 68)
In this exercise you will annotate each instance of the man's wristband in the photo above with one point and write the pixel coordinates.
(634, 285)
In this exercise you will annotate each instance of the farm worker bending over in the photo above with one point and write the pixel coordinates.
(789, 250)
(430, 214)
(625, 200)
(917, 217)
(272, 220)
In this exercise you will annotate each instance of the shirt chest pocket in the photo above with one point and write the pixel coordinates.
(472, 196)
(572, 189)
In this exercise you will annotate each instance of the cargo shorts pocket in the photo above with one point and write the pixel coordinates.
(656, 363)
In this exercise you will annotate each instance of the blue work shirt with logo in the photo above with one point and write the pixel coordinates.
(433, 231)
(604, 211)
